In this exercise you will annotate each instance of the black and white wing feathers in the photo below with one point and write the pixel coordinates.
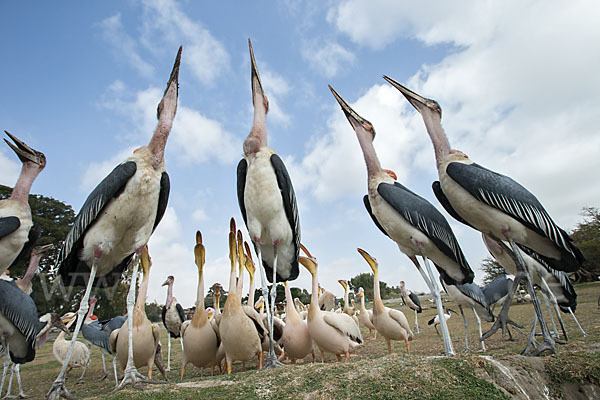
(373, 217)
(415, 299)
(180, 311)
(8, 225)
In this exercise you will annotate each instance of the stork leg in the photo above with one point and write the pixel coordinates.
(58, 389)
(6, 363)
(16, 369)
(87, 361)
(115, 370)
(548, 343)
(554, 333)
(556, 309)
(169, 352)
(577, 322)
(479, 328)
(416, 322)
(466, 329)
(103, 365)
(502, 320)
(131, 374)
(435, 292)
(272, 361)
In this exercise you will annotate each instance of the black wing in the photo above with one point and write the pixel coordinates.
(20, 310)
(567, 289)
(163, 198)
(72, 270)
(474, 291)
(180, 312)
(508, 196)
(424, 216)
(497, 289)
(370, 211)
(415, 299)
(8, 225)
(94, 334)
(437, 190)
(164, 314)
(242, 169)
(291, 211)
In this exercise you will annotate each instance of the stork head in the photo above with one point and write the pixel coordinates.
(218, 289)
(258, 135)
(372, 261)
(402, 284)
(199, 252)
(41, 250)
(360, 125)
(169, 281)
(259, 99)
(422, 104)
(29, 157)
(168, 104)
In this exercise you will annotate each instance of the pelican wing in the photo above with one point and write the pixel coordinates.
(400, 318)
(373, 217)
(345, 324)
(258, 322)
(8, 225)
(72, 270)
(505, 194)
(425, 217)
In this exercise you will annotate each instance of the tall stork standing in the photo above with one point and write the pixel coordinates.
(15, 214)
(116, 222)
(412, 301)
(268, 205)
(173, 317)
(498, 206)
(416, 226)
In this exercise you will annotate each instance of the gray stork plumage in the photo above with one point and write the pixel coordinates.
(412, 301)
(497, 291)
(172, 317)
(116, 222)
(554, 285)
(21, 329)
(498, 206)
(412, 222)
(268, 204)
(15, 214)
(470, 295)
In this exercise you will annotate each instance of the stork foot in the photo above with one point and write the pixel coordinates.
(272, 362)
(58, 390)
(104, 377)
(16, 396)
(501, 322)
(534, 350)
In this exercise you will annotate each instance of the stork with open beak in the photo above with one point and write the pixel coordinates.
(498, 206)
(15, 214)
(116, 222)
(416, 226)
(268, 205)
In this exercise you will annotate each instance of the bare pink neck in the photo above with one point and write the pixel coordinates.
(169, 296)
(23, 185)
(371, 160)
(441, 146)
(159, 141)
(31, 268)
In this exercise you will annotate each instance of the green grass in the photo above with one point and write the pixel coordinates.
(371, 372)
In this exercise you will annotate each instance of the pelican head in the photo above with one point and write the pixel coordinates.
(372, 261)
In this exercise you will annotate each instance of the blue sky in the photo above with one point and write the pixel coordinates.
(517, 81)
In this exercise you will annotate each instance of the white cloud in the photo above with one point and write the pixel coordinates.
(200, 215)
(164, 22)
(96, 171)
(10, 170)
(327, 57)
(276, 88)
(126, 46)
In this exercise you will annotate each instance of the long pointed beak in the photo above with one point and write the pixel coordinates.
(24, 152)
(165, 283)
(40, 250)
(146, 262)
(309, 264)
(370, 260)
(257, 89)
(413, 98)
(168, 103)
(355, 120)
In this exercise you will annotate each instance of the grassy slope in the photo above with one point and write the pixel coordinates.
(372, 373)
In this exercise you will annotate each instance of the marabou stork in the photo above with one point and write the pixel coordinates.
(172, 317)
(116, 222)
(496, 205)
(470, 295)
(553, 284)
(497, 291)
(412, 222)
(412, 301)
(21, 330)
(15, 214)
(36, 255)
(268, 204)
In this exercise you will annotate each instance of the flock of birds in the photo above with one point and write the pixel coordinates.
(112, 229)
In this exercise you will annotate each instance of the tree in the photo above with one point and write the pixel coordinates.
(366, 281)
(586, 237)
(491, 269)
(154, 311)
